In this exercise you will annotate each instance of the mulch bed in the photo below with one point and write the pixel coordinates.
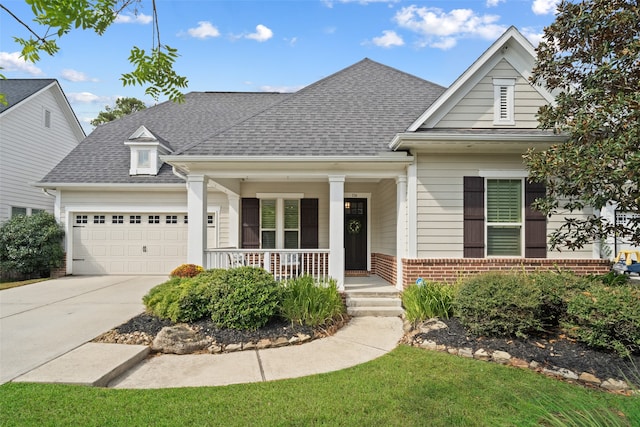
(552, 349)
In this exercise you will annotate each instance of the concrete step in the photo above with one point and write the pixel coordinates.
(372, 294)
(375, 311)
(373, 302)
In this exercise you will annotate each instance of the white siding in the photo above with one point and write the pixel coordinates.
(29, 150)
(384, 215)
(475, 110)
(440, 202)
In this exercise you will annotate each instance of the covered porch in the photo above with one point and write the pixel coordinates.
(360, 210)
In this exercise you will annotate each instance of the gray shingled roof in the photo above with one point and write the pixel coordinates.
(17, 90)
(103, 158)
(355, 112)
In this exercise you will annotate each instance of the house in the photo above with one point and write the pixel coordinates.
(38, 129)
(367, 171)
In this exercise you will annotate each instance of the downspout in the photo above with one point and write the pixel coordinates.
(178, 174)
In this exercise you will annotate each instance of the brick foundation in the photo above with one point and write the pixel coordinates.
(384, 266)
(56, 273)
(450, 270)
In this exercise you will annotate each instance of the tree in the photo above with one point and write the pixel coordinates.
(590, 57)
(31, 245)
(59, 17)
(123, 107)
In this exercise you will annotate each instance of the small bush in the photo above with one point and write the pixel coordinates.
(606, 317)
(246, 299)
(186, 270)
(160, 299)
(31, 245)
(428, 300)
(307, 302)
(500, 304)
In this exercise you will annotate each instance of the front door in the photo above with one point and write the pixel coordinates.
(355, 234)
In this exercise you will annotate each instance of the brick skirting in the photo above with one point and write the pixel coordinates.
(384, 266)
(452, 269)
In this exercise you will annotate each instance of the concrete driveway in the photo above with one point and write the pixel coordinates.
(42, 321)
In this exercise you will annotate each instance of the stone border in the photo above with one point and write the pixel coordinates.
(504, 358)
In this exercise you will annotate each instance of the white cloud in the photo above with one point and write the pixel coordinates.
(139, 18)
(13, 61)
(494, 3)
(76, 76)
(544, 7)
(280, 89)
(388, 39)
(87, 98)
(535, 37)
(262, 34)
(203, 30)
(442, 29)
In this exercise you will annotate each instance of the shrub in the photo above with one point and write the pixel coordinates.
(246, 299)
(606, 317)
(184, 299)
(500, 304)
(427, 300)
(186, 270)
(307, 302)
(31, 245)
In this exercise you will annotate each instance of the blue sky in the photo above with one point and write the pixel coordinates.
(268, 45)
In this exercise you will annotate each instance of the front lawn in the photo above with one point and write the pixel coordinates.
(406, 387)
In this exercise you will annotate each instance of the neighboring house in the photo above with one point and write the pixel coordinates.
(38, 129)
(369, 170)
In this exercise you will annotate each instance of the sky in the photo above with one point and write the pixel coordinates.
(269, 45)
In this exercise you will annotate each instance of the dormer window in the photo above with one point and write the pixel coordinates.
(145, 152)
(503, 98)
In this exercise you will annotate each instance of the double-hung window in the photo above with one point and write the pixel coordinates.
(280, 223)
(504, 215)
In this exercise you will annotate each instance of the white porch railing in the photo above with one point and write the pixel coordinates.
(282, 263)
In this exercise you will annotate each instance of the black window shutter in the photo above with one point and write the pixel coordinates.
(309, 224)
(535, 226)
(473, 217)
(250, 223)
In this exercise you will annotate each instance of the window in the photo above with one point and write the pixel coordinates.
(504, 217)
(280, 223)
(117, 219)
(186, 219)
(134, 219)
(47, 118)
(98, 219)
(172, 219)
(210, 221)
(154, 219)
(35, 211)
(15, 211)
(144, 159)
(81, 219)
(503, 94)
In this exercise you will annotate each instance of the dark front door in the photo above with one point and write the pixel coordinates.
(355, 234)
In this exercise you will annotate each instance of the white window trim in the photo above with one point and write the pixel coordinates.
(280, 198)
(509, 84)
(521, 224)
(46, 118)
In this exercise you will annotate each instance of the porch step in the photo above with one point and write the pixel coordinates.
(373, 299)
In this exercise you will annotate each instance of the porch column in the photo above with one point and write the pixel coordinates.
(401, 227)
(234, 220)
(197, 211)
(336, 229)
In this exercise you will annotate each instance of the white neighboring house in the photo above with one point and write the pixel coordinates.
(38, 129)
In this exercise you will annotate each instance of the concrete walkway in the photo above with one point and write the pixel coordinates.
(45, 320)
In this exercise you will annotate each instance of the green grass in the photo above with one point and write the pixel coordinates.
(407, 387)
(9, 285)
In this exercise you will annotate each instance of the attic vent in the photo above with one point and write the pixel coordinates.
(503, 90)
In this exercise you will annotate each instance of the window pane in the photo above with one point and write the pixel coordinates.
(268, 240)
(504, 200)
(290, 214)
(503, 241)
(143, 159)
(291, 240)
(18, 211)
(268, 214)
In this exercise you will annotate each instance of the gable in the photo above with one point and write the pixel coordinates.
(476, 108)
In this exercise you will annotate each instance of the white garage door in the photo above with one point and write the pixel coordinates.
(123, 243)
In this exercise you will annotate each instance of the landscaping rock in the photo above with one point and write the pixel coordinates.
(588, 378)
(179, 339)
(481, 354)
(615, 385)
(501, 357)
